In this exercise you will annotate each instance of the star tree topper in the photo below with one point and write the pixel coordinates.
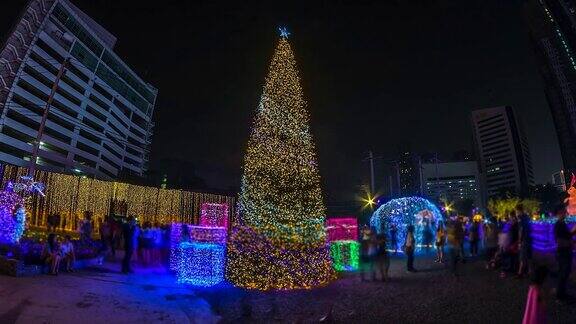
(283, 32)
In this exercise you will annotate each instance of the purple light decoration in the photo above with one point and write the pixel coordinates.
(201, 264)
(213, 214)
(207, 234)
(543, 233)
(340, 229)
(12, 219)
(175, 240)
(194, 249)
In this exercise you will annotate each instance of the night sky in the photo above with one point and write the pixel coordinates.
(376, 74)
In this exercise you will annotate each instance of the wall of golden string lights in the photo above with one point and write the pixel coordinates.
(71, 196)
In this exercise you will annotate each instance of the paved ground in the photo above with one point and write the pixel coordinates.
(430, 296)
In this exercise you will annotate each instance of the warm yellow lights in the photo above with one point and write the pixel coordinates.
(281, 242)
(71, 196)
(369, 201)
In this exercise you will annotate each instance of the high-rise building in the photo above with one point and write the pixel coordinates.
(559, 180)
(553, 32)
(452, 181)
(409, 168)
(502, 149)
(100, 117)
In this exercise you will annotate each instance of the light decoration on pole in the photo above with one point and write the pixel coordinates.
(279, 241)
(213, 214)
(402, 212)
(201, 264)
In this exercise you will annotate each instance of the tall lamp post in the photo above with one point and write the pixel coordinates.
(37, 143)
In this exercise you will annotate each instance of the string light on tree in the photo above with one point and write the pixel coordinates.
(12, 217)
(280, 242)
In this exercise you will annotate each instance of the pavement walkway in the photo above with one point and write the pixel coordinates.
(103, 295)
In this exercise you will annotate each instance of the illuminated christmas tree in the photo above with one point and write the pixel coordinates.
(279, 241)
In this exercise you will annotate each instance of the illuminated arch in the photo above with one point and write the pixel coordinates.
(402, 212)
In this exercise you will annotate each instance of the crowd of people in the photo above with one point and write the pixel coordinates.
(374, 254)
(146, 244)
(506, 246)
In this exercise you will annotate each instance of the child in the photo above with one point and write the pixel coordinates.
(67, 251)
(535, 312)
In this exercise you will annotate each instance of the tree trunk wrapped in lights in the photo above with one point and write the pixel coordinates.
(280, 242)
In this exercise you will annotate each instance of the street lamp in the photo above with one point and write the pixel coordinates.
(369, 201)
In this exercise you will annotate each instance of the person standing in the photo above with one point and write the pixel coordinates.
(409, 248)
(563, 253)
(394, 238)
(51, 222)
(460, 234)
(428, 236)
(514, 248)
(105, 234)
(474, 237)
(524, 241)
(490, 240)
(382, 257)
(368, 253)
(440, 242)
(115, 234)
(454, 237)
(128, 230)
(86, 227)
(57, 220)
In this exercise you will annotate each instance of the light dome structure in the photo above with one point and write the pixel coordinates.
(397, 214)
